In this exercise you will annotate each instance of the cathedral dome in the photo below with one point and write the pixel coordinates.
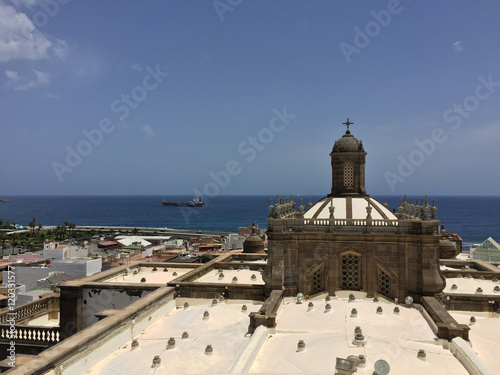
(349, 208)
(348, 143)
(447, 250)
(253, 243)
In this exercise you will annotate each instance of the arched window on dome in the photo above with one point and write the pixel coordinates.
(348, 174)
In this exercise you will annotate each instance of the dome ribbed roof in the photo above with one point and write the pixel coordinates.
(349, 208)
(253, 238)
(253, 243)
(348, 143)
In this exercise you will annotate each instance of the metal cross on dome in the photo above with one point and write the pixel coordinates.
(347, 123)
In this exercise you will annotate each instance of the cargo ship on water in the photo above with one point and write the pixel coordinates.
(196, 202)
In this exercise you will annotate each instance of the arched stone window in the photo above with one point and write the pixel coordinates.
(348, 174)
(350, 264)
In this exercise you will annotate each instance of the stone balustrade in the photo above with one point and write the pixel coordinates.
(30, 334)
(354, 222)
(32, 310)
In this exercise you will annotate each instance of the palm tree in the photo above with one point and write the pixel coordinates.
(32, 225)
(59, 231)
(72, 227)
(39, 228)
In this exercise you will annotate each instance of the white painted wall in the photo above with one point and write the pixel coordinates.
(234, 241)
(75, 267)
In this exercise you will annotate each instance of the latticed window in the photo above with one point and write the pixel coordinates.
(348, 175)
(351, 272)
(317, 281)
(384, 283)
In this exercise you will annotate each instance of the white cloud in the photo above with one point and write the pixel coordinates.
(50, 95)
(16, 82)
(148, 131)
(20, 39)
(60, 48)
(457, 46)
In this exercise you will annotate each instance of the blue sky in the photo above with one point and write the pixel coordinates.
(247, 97)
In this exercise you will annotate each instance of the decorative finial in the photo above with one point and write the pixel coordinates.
(369, 211)
(433, 209)
(347, 123)
(271, 208)
(301, 208)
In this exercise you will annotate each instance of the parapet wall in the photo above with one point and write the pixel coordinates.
(448, 327)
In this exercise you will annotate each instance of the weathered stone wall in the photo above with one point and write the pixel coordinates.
(410, 261)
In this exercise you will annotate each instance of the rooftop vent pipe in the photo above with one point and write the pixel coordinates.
(156, 361)
(301, 346)
(171, 343)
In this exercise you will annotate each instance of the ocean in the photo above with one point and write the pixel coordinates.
(473, 218)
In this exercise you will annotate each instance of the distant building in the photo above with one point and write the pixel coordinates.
(136, 240)
(77, 267)
(233, 242)
(31, 296)
(54, 280)
(57, 250)
(29, 276)
(488, 251)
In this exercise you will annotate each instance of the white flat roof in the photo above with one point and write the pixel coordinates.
(469, 285)
(225, 330)
(483, 336)
(129, 240)
(154, 277)
(244, 277)
(393, 338)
